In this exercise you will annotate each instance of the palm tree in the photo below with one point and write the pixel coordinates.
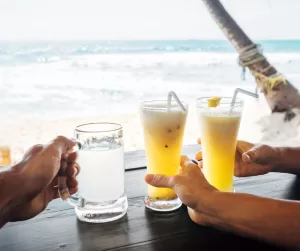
(280, 94)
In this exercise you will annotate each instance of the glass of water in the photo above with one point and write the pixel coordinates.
(101, 194)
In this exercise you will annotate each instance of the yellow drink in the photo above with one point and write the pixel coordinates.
(219, 128)
(163, 135)
(5, 156)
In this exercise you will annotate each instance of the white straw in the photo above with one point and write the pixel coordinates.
(237, 90)
(173, 94)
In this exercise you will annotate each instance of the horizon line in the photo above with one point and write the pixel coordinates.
(153, 39)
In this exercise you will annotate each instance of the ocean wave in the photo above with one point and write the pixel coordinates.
(173, 62)
(49, 52)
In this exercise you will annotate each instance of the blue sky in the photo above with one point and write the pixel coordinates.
(142, 19)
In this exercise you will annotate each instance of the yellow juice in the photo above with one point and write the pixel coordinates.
(5, 156)
(219, 133)
(163, 135)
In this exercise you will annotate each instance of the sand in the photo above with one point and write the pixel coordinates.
(257, 126)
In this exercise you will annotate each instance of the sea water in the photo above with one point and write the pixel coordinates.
(42, 81)
(52, 80)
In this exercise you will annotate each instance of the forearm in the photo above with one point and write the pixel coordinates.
(288, 160)
(10, 180)
(274, 221)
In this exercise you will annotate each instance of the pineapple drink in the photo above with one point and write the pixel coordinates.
(5, 156)
(163, 134)
(219, 125)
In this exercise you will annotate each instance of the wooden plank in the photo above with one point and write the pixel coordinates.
(57, 228)
(139, 230)
(210, 240)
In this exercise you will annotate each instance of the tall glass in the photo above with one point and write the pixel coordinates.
(5, 156)
(163, 133)
(101, 195)
(219, 126)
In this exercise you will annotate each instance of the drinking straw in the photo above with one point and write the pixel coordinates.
(173, 94)
(239, 90)
(236, 92)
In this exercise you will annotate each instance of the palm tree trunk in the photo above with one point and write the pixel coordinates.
(281, 97)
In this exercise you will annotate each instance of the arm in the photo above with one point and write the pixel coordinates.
(261, 159)
(8, 179)
(288, 160)
(270, 220)
(274, 221)
(14, 190)
(28, 187)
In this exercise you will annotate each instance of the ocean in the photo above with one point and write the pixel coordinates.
(53, 80)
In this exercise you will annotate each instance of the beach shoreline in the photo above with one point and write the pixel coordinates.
(48, 89)
(21, 134)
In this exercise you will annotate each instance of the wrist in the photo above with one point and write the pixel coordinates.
(213, 209)
(286, 156)
(208, 203)
(279, 156)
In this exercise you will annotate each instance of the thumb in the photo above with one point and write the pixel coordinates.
(61, 145)
(249, 156)
(261, 154)
(158, 180)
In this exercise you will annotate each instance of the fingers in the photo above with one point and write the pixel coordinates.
(243, 146)
(67, 183)
(248, 157)
(198, 156)
(200, 164)
(73, 190)
(66, 179)
(183, 160)
(63, 168)
(71, 158)
(72, 183)
(158, 180)
(249, 152)
(261, 154)
(56, 194)
(187, 165)
(73, 170)
(65, 187)
(61, 145)
(53, 154)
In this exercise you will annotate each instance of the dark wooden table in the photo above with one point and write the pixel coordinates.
(58, 229)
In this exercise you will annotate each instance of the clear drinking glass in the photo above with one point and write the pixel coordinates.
(101, 195)
(219, 127)
(163, 133)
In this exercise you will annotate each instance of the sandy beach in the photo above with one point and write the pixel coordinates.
(43, 95)
(257, 125)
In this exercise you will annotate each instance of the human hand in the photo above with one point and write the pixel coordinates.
(38, 170)
(250, 159)
(191, 187)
